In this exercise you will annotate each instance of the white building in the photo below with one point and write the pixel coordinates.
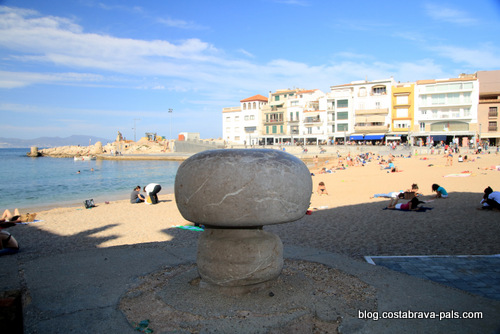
(360, 110)
(446, 109)
(242, 125)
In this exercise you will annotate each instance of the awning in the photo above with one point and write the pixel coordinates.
(374, 137)
(358, 137)
(438, 138)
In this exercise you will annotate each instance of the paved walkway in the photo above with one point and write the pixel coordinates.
(477, 274)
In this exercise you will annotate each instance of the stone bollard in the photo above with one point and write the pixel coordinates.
(234, 193)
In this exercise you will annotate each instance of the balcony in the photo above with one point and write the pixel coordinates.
(273, 122)
(384, 111)
(370, 128)
(492, 114)
(315, 119)
(492, 128)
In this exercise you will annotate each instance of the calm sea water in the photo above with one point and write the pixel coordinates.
(51, 182)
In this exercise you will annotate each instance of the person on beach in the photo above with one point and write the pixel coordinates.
(136, 196)
(322, 189)
(152, 191)
(400, 193)
(412, 205)
(491, 199)
(440, 191)
(7, 215)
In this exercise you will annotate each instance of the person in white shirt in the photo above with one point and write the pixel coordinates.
(491, 199)
(152, 191)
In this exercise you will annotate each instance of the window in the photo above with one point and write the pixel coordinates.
(493, 112)
(362, 91)
(342, 127)
(291, 116)
(228, 119)
(247, 117)
(236, 118)
(438, 99)
(244, 106)
(254, 105)
(378, 105)
(275, 128)
(422, 126)
(343, 115)
(453, 98)
(402, 99)
(380, 90)
(294, 103)
(467, 97)
(342, 103)
(401, 112)
(277, 98)
(492, 126)
(466, 112)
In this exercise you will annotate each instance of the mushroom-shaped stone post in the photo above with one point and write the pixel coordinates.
(234, 193)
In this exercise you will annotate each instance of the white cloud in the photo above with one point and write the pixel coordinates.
(484, 56)
(181, 24)
(446, 14)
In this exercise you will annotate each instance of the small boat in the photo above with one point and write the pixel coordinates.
(84, 158)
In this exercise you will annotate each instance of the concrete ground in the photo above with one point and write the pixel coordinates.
(79, 292)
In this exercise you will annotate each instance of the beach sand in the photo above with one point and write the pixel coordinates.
(347, 221)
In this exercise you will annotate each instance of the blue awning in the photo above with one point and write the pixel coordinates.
(359, 137)
(374, 137)
(438, 138)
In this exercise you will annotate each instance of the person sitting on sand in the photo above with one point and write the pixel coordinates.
(412, 205)
(400, 193)
(460, 158)
(8, 244)
(322, 189)
(491, 199)
(136, 196)
(440, 191)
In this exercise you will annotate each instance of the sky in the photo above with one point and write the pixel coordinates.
(85, 67)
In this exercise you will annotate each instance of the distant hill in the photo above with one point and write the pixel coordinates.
(51, 141)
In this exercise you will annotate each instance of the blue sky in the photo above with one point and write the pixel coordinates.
(92, 67)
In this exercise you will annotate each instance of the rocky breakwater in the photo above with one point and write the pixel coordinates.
(234, 193)
(72, 151)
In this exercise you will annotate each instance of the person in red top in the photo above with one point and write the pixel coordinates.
(412, 205)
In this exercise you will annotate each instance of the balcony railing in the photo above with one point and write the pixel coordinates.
(370, 128)
(273, 122)
(312, 120)
(492, 113)
(384, 111)
(492, 128)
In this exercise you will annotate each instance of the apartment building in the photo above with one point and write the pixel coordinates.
(489, 103)
(293, 115)
(402, 114)
(242, 125)
(361, 107)
(446, 110)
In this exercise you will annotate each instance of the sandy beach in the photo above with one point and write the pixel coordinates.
(347, 221)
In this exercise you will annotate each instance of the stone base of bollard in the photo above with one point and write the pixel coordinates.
(238, 257)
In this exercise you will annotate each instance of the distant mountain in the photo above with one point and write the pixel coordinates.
(43, 142)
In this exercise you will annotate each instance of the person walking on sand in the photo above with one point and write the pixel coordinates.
(440, 191)
(322, 189)
(152, 191)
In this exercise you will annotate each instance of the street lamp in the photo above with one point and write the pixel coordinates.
(170, 110)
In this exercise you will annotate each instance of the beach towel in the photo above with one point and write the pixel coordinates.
(458, 175)
(190, 228)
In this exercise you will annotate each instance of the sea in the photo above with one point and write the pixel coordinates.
(44, 182)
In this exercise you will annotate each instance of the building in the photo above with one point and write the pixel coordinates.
(361, 107)
(294, 115)
(489, 103)
(402, 114)
(242, 125)
(446, 110)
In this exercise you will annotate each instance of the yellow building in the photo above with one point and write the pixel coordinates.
(403, 111)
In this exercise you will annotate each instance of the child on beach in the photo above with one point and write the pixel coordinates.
(440, 191)
(322, 189)
(136, 196)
